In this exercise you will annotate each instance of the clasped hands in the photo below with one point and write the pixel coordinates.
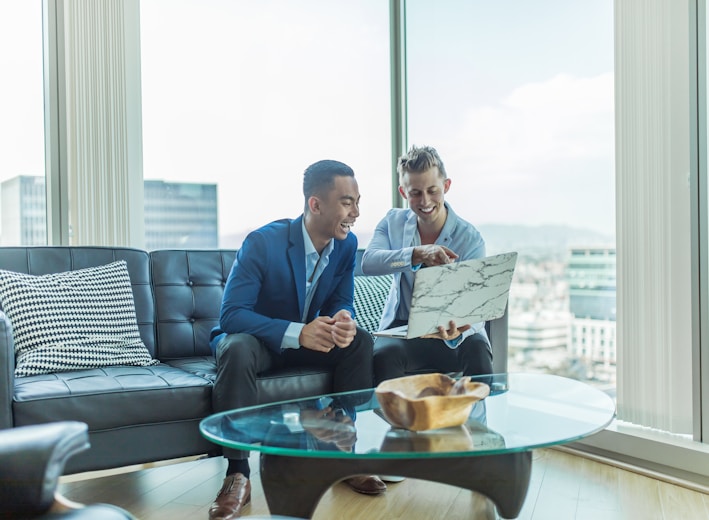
(325, 333)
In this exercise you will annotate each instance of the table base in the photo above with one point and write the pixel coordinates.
(293, 486)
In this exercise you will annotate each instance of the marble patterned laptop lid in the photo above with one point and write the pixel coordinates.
(466, 292)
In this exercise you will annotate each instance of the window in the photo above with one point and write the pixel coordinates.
(518, 99)
(22, 186)
(243, 96)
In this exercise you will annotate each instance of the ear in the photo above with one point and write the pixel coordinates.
(402, 192)
(313, 204)
(446, 185)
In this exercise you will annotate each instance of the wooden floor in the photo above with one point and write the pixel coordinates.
(563, 486)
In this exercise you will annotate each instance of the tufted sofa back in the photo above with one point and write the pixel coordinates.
(188, 287)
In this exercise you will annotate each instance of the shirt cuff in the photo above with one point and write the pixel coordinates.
(290, 338)
(454, 343)
(475, 329)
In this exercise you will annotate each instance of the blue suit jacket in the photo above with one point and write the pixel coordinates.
(265, 290)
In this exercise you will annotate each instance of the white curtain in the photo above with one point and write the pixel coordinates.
(102, 127)
(654, 369)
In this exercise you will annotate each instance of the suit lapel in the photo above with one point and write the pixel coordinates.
(296, 257)
(407, 236)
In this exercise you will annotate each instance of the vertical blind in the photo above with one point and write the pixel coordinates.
(102, 126)
(652, 210)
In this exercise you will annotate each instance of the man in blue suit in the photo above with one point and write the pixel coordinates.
(288, 301)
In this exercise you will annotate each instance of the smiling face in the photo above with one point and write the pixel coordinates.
(332, 213)
(425, 192)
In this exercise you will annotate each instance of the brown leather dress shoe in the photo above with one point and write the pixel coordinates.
(368, 485)
(234, 494)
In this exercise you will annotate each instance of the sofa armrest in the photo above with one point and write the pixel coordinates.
(7, 371)
(497, 332)
(32, 459)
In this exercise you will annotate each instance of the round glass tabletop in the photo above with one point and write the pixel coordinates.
(522, 412)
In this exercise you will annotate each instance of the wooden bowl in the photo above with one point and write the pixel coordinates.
(428, 401)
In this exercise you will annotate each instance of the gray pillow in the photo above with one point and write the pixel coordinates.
(73, 320)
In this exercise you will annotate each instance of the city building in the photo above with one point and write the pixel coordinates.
(177, 214)
(180, 214)
(591, 275)
(539, 323)
(23, 211)
(539, 341)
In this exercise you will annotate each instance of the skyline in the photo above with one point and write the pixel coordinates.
(190, 220)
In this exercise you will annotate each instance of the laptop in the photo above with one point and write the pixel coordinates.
(467, 292)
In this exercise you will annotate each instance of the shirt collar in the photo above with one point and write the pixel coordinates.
(310, 248)
(449, 224)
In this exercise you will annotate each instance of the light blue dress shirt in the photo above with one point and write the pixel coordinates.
(315, 264)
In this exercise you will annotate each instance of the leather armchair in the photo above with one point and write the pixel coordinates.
(32, 459)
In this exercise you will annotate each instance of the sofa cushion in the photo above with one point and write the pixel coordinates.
(370, 294)
(113, 397)
(75, 319)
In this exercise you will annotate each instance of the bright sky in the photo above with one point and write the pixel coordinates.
(517, 96)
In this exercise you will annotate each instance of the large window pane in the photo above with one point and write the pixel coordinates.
(518, 99)
(240, 97)
(22, 187)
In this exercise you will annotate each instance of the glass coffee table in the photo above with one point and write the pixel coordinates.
(306, 445)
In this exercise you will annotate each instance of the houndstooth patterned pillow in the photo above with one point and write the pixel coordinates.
(73, 320)
(370, 294)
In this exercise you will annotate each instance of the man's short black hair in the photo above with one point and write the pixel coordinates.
(320, 176)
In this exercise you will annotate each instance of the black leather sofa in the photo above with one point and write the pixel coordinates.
(143, 414)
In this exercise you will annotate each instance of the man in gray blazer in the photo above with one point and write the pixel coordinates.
(428, 233)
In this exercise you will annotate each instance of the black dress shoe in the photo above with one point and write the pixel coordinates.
(368, 485)
(234, 494)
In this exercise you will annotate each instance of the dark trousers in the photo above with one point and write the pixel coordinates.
(394, 357)
(241, 357)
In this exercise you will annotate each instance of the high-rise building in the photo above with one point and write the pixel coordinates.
(180, 214)
(23, 211)
(591, 274)
(177, 214)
